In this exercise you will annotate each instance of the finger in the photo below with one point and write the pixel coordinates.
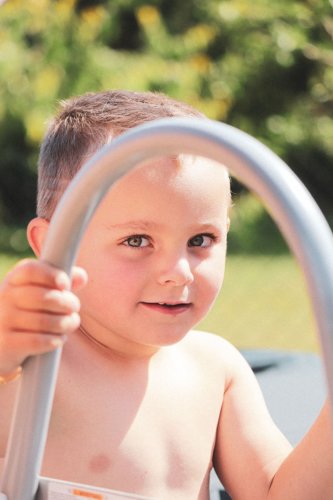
(56, 324)
(24, 345)
(39, 273)
(79, 277)
(36, 298)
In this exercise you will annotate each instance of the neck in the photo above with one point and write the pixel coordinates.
(94, 341)
(133, 353)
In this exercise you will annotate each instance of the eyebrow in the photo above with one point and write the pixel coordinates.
(143, 225)
(134, 224)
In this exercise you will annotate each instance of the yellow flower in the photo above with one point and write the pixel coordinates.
(93, 16)
(201, 63)
(35, 125)
(148, 15)
(47, 81)
(200, 35)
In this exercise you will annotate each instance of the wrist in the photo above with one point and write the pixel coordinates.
(11, 376)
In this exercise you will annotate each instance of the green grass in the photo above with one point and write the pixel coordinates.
(263, 304)
(6, 262)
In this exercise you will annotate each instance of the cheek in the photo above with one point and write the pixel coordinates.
(209, 284)
(110, 279)
(214, 283)
(211, 274)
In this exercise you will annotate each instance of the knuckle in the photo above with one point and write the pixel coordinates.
(45, 323)
(51, 297)
(57, 323)
(70, 322)
(61, 301)
(23, 271)
(7, 317)
(25, 266)
(75, 302)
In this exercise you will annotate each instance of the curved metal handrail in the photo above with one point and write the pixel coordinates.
(290, 204)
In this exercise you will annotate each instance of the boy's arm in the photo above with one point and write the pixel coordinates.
(37, 309)
(249, 447)
(307, 473)
(252, 457)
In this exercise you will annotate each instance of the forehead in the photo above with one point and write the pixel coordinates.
(183, 173)
(169, 185)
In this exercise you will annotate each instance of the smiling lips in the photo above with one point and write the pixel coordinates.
(167, 308)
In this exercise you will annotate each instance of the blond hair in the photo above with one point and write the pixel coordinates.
(86, 123)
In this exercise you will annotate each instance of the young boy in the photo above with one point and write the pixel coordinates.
(144, 404)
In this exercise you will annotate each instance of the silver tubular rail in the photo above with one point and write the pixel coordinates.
(290, 204)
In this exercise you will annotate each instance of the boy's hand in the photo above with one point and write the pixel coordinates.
(37, 311)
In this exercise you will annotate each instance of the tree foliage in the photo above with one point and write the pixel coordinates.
(265, 67)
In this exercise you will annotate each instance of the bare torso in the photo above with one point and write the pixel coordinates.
(155, 426)
(145, 428)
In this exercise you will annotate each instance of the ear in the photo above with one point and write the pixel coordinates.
(36, 233)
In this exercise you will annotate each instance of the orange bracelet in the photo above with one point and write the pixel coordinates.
(4, 379)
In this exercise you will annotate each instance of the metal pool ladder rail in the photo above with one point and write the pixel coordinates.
(294, 210)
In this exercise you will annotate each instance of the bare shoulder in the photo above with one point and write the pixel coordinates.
(215, 350)
(208, 342)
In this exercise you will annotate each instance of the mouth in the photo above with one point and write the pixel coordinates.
(168, 307)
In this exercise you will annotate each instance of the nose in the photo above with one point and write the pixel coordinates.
(176, 271)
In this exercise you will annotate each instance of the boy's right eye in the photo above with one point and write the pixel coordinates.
(137, 241)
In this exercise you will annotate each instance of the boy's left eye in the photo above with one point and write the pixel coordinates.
(201, 240)
(137, 241)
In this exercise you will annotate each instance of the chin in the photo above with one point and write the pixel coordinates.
(170, 338)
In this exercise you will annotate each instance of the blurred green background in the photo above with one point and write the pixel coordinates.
(265, 67)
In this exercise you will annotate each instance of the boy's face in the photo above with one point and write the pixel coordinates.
(155, 254)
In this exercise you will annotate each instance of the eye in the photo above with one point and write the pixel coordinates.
(137, 241)
(202, 240)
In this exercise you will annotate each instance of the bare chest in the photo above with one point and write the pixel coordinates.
(155, 439)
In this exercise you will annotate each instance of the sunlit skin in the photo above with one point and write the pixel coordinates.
(160, 238)
(146, 404)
